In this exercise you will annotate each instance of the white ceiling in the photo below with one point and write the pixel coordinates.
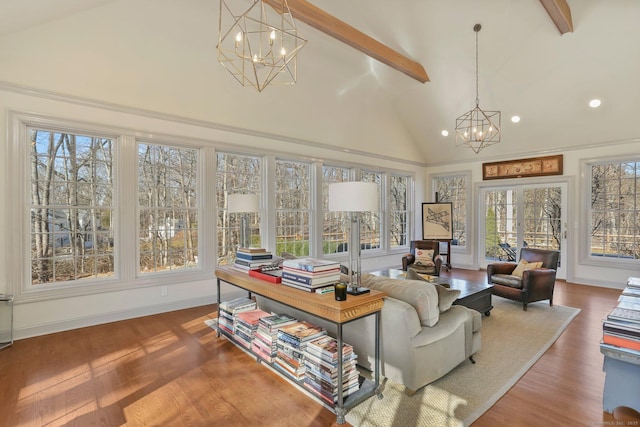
(525, 67)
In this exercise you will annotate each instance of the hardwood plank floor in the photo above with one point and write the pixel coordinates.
(171, 370)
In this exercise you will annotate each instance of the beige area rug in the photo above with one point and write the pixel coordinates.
(512, 341)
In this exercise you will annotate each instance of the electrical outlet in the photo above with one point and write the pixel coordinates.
(164, 291)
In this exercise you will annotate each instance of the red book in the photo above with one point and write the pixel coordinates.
(621, 341)
(270, 276)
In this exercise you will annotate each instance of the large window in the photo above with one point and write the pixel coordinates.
(370, 233)
(168, 207)
(293, 207)
(236, 173)
(71, 207)
(615, 209)
(398, 210)
(453, 188)
(334, 237)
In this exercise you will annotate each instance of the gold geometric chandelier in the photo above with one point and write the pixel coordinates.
(478, 129)
(258, 45)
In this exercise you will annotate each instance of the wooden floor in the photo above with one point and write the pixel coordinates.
(171, 370)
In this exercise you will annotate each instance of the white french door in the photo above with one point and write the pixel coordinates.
(516, 216)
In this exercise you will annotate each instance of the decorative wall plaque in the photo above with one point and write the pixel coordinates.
(534, 166)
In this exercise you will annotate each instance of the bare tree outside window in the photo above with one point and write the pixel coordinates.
(370, 234)
(454, 189)
(293, 207)
(71, 207)
(334, 238)
(398, 210)
(615, 210)
(235, 173)
(168, 207)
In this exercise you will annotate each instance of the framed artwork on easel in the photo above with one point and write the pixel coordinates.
(437, 221)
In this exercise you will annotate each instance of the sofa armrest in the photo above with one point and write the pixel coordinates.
(407, 260)
(539, 277)
(500, 268)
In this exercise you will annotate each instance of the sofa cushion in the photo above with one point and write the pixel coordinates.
(525, 265)
(507, 280)
(423, 298)
(446, 297)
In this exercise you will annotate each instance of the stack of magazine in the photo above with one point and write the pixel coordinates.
(621, 328)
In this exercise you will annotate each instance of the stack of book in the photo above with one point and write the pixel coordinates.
(228, 309)
(264, 344)
(252, 258)
(621, 328)
(321, 363)
(310, 274)
(245, 324)
(291, 343)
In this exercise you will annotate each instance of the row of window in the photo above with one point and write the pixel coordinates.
(75, 213)
(75, 208)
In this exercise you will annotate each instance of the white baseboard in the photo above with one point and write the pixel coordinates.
(82, 322)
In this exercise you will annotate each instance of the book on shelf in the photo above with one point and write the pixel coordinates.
(325, 289)
(310, 281)
(254, 256)
(299, 332)
(310, 264)
(276, 321)
(252, 264)
(272, 276)
(299, 286)
(621, 329)
(631, 292)
(304, 273)
(629, 303)
(633, 282)
(626, 315)
(252, 250)
(237, 304)
(326, 347)
(621, 341)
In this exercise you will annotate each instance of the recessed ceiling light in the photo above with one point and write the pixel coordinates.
(445, 133)
(595, 103)
(515, 119)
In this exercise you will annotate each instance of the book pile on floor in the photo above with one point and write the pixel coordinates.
(622, 326)
(321, 363)
(228, 309)
(264, 344)
(245, 324)
(310, 274)
(252, 258)
(291, 343)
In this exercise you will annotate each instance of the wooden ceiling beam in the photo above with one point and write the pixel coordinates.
(560, 14)
(328, 24)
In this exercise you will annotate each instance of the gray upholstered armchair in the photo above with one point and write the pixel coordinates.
(532, 279)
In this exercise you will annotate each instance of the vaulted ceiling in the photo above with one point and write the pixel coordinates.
(526, 68)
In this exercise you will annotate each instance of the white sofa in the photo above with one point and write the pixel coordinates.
(423, 336)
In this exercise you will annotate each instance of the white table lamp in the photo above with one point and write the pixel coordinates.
(354, 197)
(244, 204)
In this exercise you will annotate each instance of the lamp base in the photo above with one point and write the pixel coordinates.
(357, 291)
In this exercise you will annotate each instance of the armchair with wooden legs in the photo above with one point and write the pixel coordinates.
(532, 279)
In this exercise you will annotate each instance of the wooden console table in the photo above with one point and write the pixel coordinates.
(323, 306)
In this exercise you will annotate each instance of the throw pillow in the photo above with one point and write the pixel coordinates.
(524, 265)
(425, 257)
(446, 296)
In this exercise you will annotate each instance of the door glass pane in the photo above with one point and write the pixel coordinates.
(542, 220)
(500, 225)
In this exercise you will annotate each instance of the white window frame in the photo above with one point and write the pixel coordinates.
(124, 203)
(584, 234)
(466, 248)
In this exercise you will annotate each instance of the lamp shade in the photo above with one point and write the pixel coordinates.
(242, 203)
(353, 196)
